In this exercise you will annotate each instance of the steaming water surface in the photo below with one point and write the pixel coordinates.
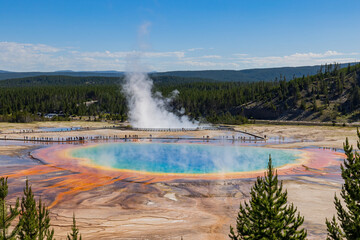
(184, 158)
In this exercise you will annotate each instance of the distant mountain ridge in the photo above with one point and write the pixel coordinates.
(247, 75)
(11, 75)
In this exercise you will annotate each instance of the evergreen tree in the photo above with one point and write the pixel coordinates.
(74, 235)
(5, 217)
(303, 104)
(348, 216)
(44, 223)
(315, 107)
(28, 221)
(267, 215)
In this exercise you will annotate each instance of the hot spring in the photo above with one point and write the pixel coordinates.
(184, 158)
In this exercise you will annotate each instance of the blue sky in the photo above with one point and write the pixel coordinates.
(176, 34)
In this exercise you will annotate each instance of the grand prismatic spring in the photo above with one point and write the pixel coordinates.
(175, 160)
(169, 181)
(183, 158)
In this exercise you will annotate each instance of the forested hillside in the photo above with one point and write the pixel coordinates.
(207, 100)
(32, 98)
(247, 75)
(62, 80)
(331, 95)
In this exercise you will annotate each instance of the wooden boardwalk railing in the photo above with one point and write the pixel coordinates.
(175, 129)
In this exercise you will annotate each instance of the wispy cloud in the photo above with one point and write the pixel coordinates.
(296, 59)
(21, 56)
(194, 49)
(208, 64)
(211, 57)
(108, 54)
(143, 33)
(240, 55)
(40, 57)
(26, 47)
(144, 29)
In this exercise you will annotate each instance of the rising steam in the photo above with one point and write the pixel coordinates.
(147, 110)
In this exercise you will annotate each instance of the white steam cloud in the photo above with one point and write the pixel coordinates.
(147, 110)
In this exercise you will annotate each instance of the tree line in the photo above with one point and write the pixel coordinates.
(208, 101)
(216, 102)
(333, 89)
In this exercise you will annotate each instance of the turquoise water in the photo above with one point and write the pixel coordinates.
(184, 158)
(59, 129)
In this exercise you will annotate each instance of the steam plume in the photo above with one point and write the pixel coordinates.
(147, 110)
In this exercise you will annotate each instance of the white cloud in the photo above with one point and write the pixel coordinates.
(217, 65)
(316, 55)
(178, 54)
(26, 47)
(194, 49)
(21, 56)
(108, 54)
(240, 55)
(296, 59)
(211, 57)
(40, 57)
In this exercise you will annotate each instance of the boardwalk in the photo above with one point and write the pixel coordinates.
(221, 128)
(10, 136)
(176, 129)
(250, 134)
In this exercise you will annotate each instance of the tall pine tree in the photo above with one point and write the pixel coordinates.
(74, 235)
(267, 215)
(28, 221)
(348, 215)
(5, 217)
(44, 223)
